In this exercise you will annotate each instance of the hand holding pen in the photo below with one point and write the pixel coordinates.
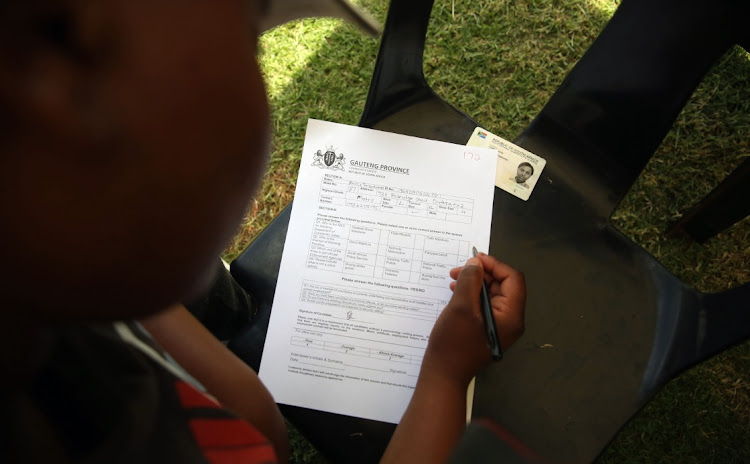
(506, 290)
(493, 342)
(458, 343)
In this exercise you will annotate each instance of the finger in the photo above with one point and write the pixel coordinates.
(510, 326)
(494, 268)
(469, 283)
(509, 307)
(515, 283)
(514, 288)
(455, 272)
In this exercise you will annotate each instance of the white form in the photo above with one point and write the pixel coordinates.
(377, 222)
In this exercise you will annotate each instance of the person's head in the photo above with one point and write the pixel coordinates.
(132, 135)
(524, 172)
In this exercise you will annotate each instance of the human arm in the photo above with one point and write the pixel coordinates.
(227, 378)
(457, 351)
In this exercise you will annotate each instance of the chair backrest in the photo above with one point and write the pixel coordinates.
(399, 99)
(607, 325)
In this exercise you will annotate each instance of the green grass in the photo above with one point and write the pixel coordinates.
(500, 61)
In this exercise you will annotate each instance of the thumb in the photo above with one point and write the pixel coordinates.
(469, 282)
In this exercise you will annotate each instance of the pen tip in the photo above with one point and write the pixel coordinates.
(474, 250)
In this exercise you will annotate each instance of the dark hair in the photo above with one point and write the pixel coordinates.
(527, 164)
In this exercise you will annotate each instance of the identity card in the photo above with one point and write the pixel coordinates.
(517, 170)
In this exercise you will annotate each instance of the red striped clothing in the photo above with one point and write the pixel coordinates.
(107, 394)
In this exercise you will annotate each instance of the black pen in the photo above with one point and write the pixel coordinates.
(489, 321)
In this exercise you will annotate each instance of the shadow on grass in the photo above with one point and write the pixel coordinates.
(709, 139)
(500, 61)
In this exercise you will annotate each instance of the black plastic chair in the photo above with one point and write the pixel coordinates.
(727, 204)
(619, 323)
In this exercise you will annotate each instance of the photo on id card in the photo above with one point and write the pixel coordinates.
(517, 171)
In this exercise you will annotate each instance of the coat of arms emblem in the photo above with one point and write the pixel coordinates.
(329, 159)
